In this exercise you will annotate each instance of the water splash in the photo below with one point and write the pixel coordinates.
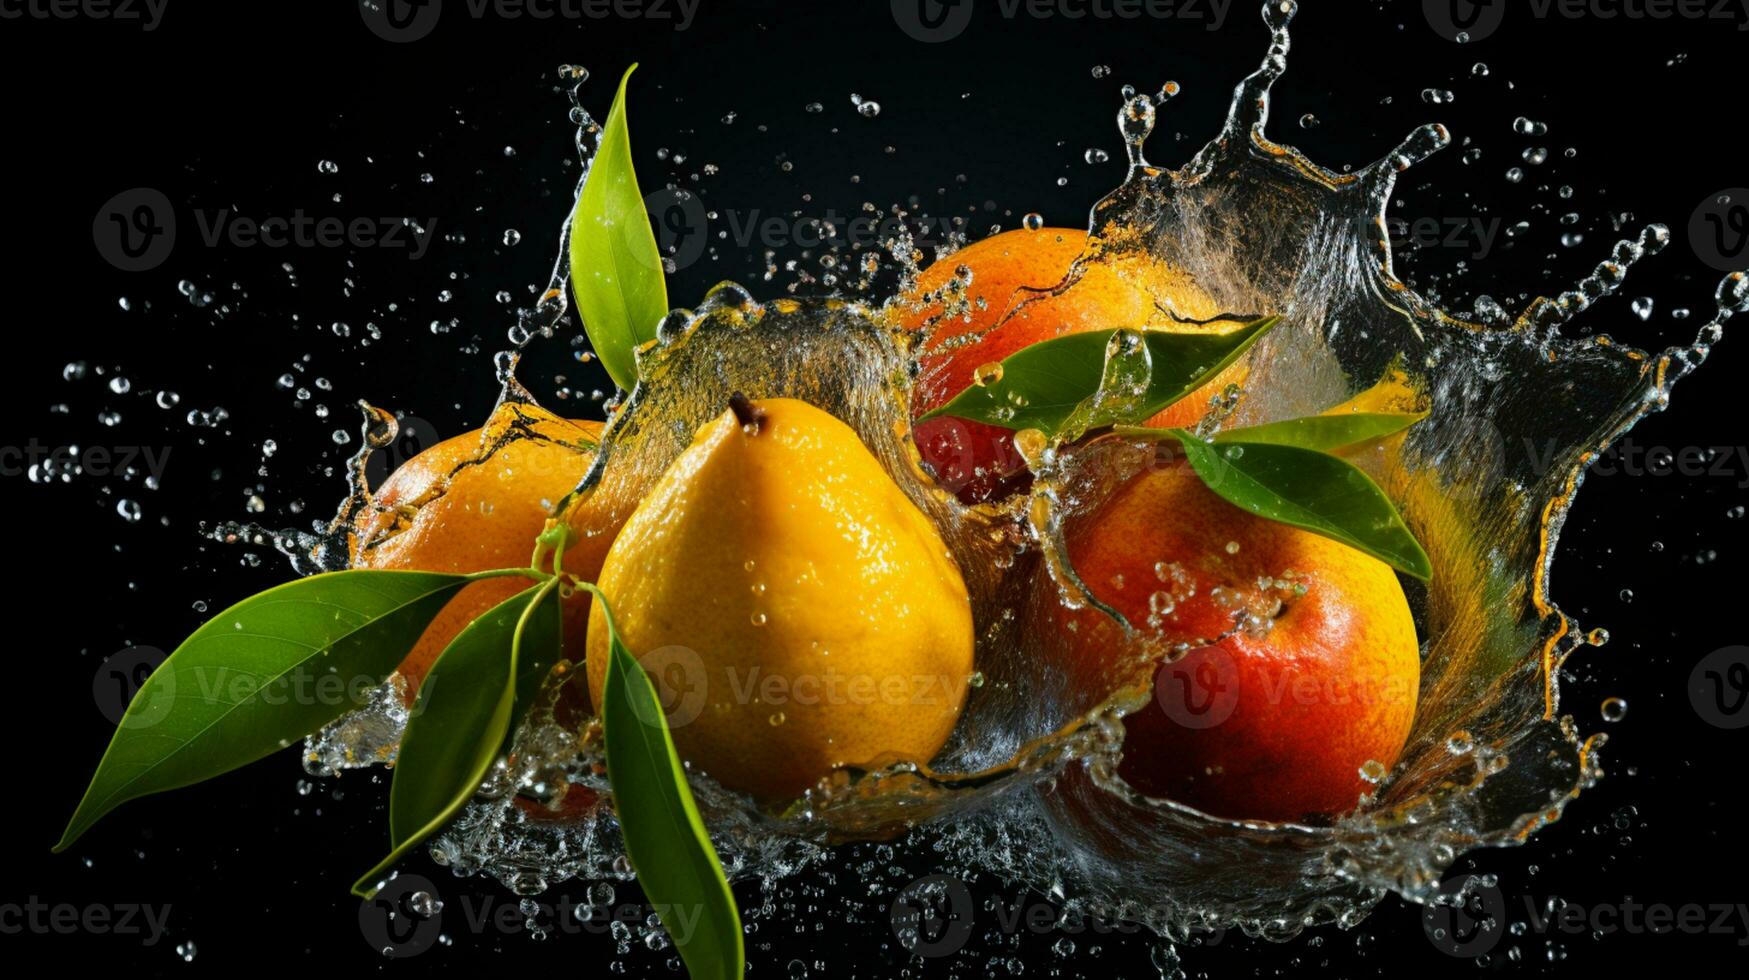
(1516, 411)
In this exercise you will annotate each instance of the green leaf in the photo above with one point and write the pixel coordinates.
(260, 676)
(1324, 432)
(1308, 489)
(1043, 385)
(616, 268)
(469, 706)
(664, 835)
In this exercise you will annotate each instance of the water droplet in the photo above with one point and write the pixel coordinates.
(1033, 221)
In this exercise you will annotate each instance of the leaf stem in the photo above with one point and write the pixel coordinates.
(529, 573)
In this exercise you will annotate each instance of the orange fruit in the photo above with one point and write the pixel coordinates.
(1303, 664)
(1009, 305)
(474, 503)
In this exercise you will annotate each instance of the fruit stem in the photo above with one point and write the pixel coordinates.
(749, 416)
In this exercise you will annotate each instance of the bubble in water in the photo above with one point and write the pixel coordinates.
(512, 236)
(1095, 155)
(424, 904)
(1033, 221)
(129, 510)
(1614, 709)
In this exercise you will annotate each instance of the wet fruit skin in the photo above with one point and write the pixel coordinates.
(486, 516)
(979, 461)
(806, 614)
(1272, 722)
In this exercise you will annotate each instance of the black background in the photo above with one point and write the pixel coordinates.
(235, 105)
